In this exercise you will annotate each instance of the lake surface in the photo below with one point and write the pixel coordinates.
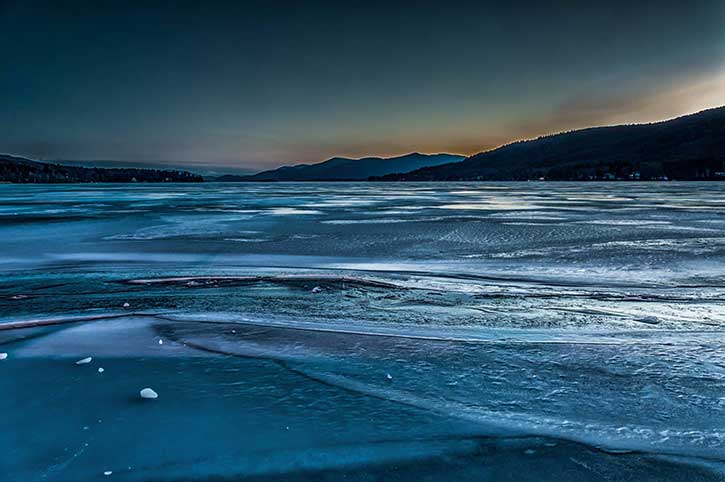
(361, 331)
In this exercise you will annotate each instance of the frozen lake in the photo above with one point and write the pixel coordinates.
(361, 331)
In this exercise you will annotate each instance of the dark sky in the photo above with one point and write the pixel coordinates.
(215, 85)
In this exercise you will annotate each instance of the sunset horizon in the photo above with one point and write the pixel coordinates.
(251, 87)
(362, 241)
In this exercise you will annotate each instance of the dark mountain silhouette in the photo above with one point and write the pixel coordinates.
(344, 169)
(19, 170)
(686, 148)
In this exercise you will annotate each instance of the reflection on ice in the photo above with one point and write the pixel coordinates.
(359, 331)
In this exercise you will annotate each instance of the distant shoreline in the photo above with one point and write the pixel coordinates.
(507, 181)
(18, 170)
(593, 181)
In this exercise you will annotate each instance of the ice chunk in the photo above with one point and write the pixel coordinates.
(316, 289)
(85, 360)
(3, 356)
(161, 342)
(108, 472)
(148, 393)
(126, 305)
(100, 370)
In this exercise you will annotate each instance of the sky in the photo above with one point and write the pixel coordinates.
(244, 86)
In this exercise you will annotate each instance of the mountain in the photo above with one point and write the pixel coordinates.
(19, 170)
(686, 148)
(344, 169)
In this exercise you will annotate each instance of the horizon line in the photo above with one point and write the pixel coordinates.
(253, 171)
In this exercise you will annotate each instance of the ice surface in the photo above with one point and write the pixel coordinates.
(464, 331)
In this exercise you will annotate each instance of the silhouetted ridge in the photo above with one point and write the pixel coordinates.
(19, 170)
(688, 148)
(344, 169)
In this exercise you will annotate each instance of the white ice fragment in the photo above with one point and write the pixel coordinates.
(100, 370)
(3, 356)
(161, 342)
(148, 393)
(316, 289)
(388, 376)
(126, 305)
(85, 360)
(108, 472)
